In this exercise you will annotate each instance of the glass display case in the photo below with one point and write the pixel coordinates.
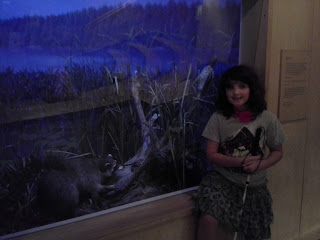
(103, 104)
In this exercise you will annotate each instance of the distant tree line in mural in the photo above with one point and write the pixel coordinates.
(92, 29)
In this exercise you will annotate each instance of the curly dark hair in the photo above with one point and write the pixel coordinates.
(245, 74)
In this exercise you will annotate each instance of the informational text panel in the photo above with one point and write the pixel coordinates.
(294, 76)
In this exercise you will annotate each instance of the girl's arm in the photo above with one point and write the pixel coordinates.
(274, 156)
(221, 160)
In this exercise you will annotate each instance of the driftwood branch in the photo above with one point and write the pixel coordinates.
(136, 164)
(126, 176)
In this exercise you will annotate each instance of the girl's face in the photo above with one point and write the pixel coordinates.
(238, 94)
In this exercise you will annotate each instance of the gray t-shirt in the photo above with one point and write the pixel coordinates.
(237, 139)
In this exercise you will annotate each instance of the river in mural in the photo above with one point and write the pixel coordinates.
(103, 103)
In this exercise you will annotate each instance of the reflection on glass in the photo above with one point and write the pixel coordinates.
(104, 104)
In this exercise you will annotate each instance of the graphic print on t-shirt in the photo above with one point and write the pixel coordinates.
(239, 146)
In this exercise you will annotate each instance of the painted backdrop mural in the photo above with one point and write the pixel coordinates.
(103, 102)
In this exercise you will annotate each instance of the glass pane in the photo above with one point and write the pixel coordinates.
(103, 103)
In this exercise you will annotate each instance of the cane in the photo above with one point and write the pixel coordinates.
(243, 201)
(255, 151)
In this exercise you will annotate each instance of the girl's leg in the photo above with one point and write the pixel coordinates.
(207, 228)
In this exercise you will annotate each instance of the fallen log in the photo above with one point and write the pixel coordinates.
(134, 166)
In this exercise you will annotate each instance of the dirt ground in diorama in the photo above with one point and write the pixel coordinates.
(64, 166)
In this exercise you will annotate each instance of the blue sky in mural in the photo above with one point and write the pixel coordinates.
(19, 8)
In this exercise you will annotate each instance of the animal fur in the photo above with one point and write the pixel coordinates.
(68, 182)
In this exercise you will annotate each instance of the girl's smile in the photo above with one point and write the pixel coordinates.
(238, 94)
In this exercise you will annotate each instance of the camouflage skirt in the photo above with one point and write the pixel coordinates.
(221, 199)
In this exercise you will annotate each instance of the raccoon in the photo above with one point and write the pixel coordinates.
(65, 183)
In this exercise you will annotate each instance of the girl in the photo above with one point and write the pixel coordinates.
(237, 135)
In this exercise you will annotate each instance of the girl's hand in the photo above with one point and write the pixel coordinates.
(251, 164)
